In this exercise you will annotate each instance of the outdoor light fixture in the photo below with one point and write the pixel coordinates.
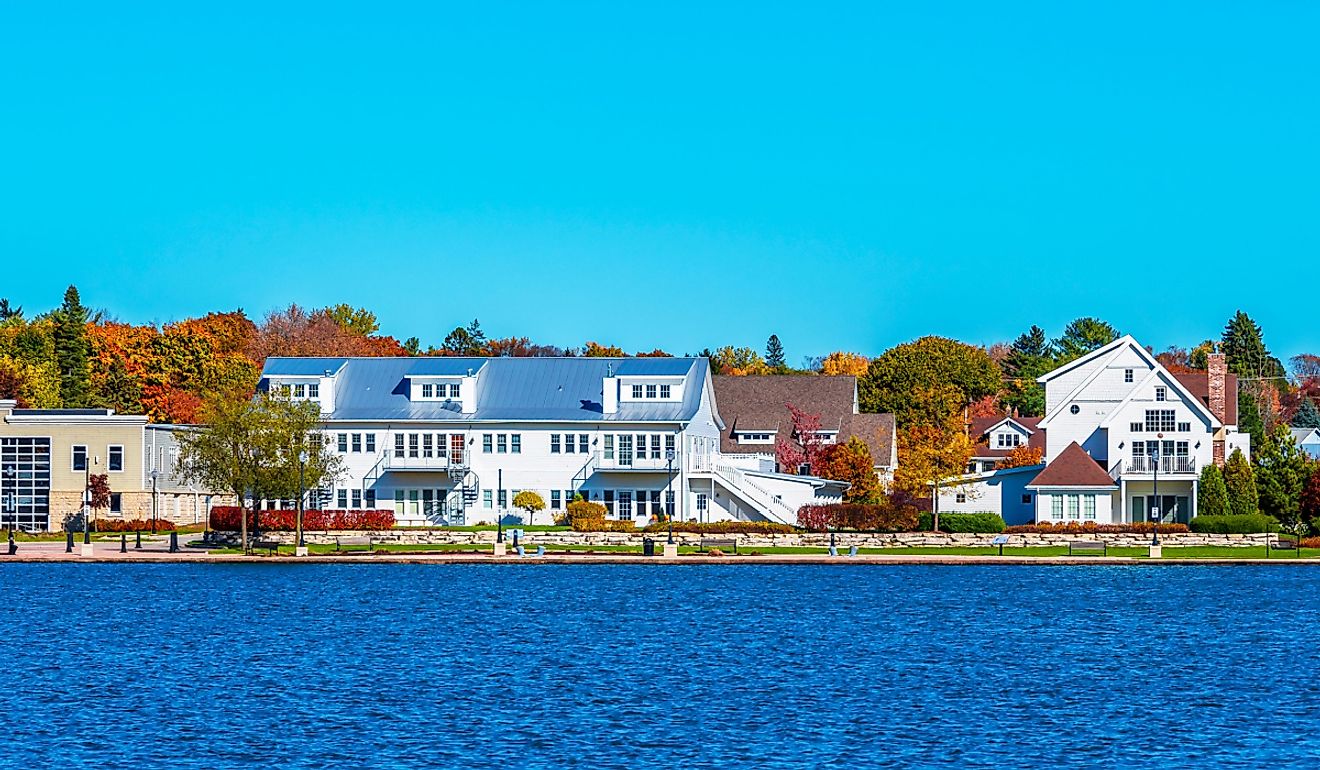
(298, 536)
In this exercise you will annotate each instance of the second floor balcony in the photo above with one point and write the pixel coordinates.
(1172, 465)
(641, 461)
(421, 461)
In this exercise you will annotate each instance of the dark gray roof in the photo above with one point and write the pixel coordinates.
(533, 389)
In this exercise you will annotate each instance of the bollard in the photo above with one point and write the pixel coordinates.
(123, 543)
(13, 547)
(68, 542)
(138, 545)
(174, 541)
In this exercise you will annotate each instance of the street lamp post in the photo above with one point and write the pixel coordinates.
(87, 500)
(1155, 509)
(299, 547)
(155, 474)
(10, 498)
(669, 492)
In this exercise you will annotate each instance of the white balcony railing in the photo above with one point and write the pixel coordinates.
(442, 462)
(622, 462)
(1170, 465)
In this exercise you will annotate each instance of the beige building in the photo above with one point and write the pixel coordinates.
(48, 455)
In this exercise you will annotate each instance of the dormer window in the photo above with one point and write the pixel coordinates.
(313, 390)
(453, 390)
(1007, 440)
(300, 391)
(651, 391)
(428, 390)
(664, 391)
(756, 438)
(637, 391)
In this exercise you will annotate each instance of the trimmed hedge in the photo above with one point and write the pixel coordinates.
(1235, 524)
(130, 525)
(857, 516)
(603, 525)
(724, 528)
(982, 522)
(1085, 527)
(225, 518)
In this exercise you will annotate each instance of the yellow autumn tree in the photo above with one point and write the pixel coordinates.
(931, 457)
(843, 362)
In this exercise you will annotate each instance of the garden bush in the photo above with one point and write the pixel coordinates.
(130, 525)
(979, 522)
(1088, 527)
(867, 517)
(583, 510)
(225, 518)
(603, 525)
(725, 527)
(1235, 524)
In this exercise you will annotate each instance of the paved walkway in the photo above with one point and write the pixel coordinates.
(157, 550)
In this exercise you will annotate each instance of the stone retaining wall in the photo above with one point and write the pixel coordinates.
(751, 542)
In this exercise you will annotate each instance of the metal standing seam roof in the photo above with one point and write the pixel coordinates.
(508, 389)
(303, 367)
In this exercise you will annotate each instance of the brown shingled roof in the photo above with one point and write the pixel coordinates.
(1199, 385)
(1073, 468)
(982, 448)
(760, 404)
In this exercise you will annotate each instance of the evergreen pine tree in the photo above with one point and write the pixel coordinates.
(72, 350)
(774, 354)
(1241, 485)
(1244, 349)
(413, 346)
(1211, 493)
(1083, 336)
(1282, 469)
(1031, 355)
(1307, 415)
(477, 338)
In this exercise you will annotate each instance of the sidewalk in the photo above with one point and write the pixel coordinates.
(157, 551)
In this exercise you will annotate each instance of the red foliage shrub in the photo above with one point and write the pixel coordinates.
(224, 518)
(858, 516)
(1311, 542)
(1069, 527)
(724, 527)
(130, 525)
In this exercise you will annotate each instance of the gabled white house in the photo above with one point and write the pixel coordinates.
(1109, 416)
(452, 440)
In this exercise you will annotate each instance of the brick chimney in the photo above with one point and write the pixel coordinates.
(1217, 370)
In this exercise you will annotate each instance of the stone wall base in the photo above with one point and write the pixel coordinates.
(795, 540)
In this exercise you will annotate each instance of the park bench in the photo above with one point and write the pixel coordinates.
(1087, 546)
(1283, 544)
(266, 545)
(721, 543)
(353, 543)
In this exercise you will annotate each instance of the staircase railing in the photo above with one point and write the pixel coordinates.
(770, 504)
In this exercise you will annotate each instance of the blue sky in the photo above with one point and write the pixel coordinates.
(676, 175)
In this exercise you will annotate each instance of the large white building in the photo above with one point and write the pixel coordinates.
(452, 440)
(1108, 416)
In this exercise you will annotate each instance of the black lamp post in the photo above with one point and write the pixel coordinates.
(1155, 464)
(10, 498)
(499, 513)
(669, 493)
(87, 500)
(155, 474)
(302, 463)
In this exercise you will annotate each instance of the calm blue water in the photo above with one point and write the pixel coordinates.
(217, 666)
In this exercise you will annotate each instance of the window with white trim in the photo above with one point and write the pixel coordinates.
(637, 391)
(664, 391)
(1160, 420)
(1184, 427)
(554, 443)
(1127, 375)
(1074, 508)
(961, 497)
(1088, 507)
(1056, 506)
(454, 390)
(114, 458)
(1161, 393)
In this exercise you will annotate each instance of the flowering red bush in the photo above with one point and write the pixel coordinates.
(1069, 527)
(224, 518)
(130, 525)
(858, 516)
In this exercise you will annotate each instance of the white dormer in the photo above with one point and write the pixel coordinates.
(459, 392)
(650, 389)
(307, 387)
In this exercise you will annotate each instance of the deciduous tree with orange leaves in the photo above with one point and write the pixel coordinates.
(843, 362)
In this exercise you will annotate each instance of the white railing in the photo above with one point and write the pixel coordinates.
(635, 462)
(441, 462)
(773, 507)
(1167, 464)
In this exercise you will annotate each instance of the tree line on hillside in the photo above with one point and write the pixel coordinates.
(74, 356)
